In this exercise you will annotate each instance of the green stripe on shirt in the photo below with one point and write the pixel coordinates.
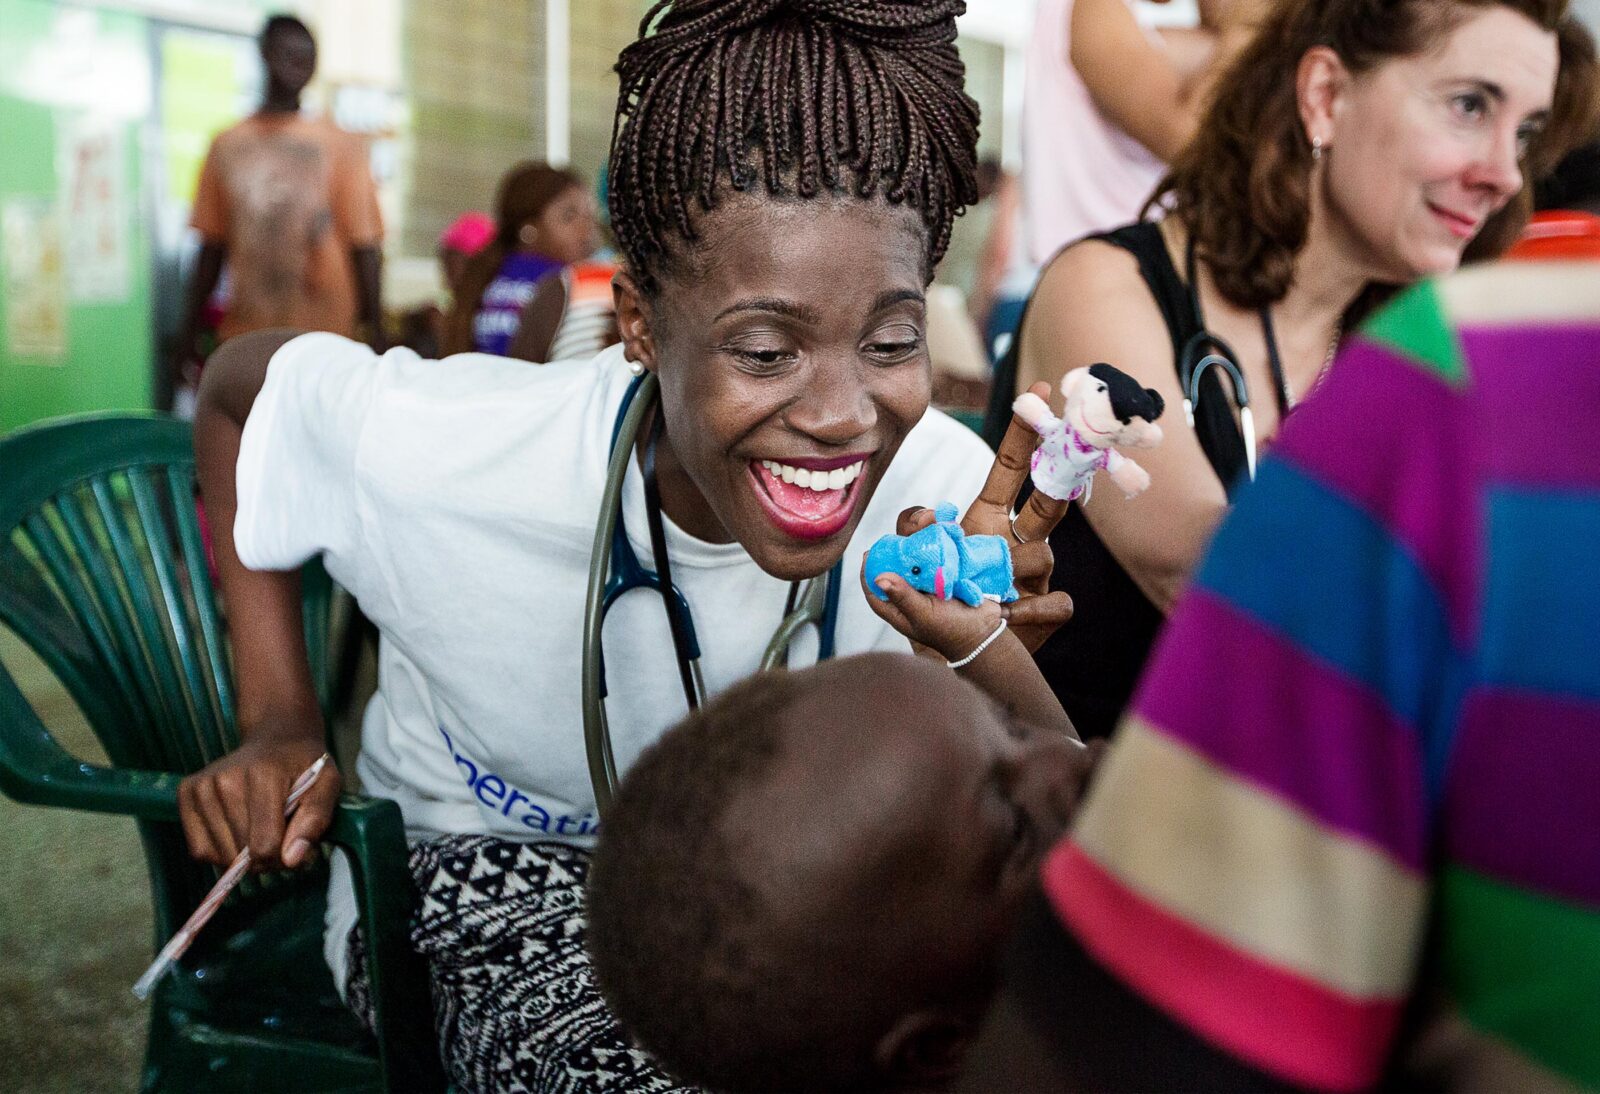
(1513, 958)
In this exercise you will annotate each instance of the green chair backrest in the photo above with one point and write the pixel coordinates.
(104, 575)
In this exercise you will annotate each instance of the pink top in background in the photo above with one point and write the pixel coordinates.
(1080, 173)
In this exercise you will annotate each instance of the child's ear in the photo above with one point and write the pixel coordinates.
(635, 320)
(923, 1049)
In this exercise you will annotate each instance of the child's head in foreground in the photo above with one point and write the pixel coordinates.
(806, 884)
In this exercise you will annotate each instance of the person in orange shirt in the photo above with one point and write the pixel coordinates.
(289, 204)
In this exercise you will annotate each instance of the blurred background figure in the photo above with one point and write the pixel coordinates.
(422, 327)
(1108, 104)
(570, 315)
(1108, 101)
(1004, 274)
(545, 221)
(287, 203)
(467, 235)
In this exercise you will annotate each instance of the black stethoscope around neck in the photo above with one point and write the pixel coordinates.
(615, 569)
(1205, 351)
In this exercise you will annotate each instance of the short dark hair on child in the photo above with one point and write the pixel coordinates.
(673, 924)
(836, 96)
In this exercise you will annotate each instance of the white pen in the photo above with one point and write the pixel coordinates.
(180, 941)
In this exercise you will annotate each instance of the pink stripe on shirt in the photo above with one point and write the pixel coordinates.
(1275, 1020)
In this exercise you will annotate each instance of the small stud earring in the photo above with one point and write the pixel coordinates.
(636, 367)
(1316, 148)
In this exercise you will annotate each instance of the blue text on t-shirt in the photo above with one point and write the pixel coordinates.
(492, 790)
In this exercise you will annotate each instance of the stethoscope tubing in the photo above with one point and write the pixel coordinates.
(1192, 367)
(596, 730)
(1191, 372)
(817, 603)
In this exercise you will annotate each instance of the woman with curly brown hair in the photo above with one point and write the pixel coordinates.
(1352, 147)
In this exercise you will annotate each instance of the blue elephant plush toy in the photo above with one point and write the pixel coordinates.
(944, 561)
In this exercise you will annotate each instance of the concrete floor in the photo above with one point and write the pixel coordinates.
(74, 926)
(75, 920)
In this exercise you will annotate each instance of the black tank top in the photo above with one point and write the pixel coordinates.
(1094, 661)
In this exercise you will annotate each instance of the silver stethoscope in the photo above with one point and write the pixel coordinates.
(1205, 351)
(615, 569)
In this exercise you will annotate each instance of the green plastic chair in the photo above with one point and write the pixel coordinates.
(104, 576)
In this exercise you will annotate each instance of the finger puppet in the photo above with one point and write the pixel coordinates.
(1106, 409)
(944, 561)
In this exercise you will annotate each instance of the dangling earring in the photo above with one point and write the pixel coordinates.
(1316, 148)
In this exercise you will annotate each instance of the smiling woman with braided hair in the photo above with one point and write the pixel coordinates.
(803, 96)
(783, 180)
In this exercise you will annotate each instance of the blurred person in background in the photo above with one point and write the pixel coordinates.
(422, 328)
(571, 314)
(1350, 148)
(288, 204)
(545, 222)
(1004, 276)
(466, 237)
(1108, 103)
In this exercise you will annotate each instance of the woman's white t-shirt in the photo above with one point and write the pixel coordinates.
(457, 501)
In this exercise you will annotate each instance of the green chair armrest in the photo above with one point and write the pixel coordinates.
(36, 770)
(372, 831)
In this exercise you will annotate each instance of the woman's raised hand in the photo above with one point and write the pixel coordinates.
(1038, 612)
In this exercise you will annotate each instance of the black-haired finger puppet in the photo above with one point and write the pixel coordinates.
(1106, 409)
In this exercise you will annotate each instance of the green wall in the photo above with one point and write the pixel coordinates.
(61, 65)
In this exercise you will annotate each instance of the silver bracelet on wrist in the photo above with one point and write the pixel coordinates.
(985, 644)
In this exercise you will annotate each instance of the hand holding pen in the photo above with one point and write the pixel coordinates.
(236, 801)
(180, 941)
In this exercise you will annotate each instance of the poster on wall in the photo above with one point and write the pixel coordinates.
(208, 82)
(91, 168)
(35, 280)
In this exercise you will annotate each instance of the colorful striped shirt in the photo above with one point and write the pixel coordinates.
(1362, 773)
(589, 321)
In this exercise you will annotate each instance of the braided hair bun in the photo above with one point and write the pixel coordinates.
(799, 97)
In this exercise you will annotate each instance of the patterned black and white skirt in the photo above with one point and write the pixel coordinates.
(514, 999)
